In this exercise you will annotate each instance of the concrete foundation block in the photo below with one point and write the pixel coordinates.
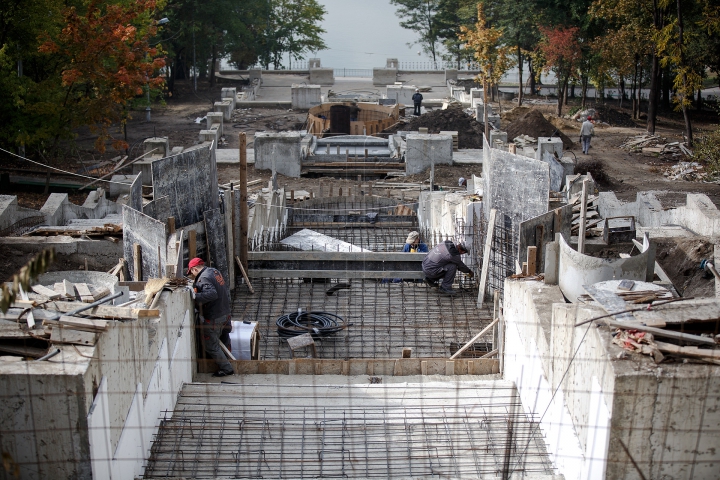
(255, 74)
(451, 74)
(480, 111)
(402, 94)
(209, 136)
(229, 93)
(568, 164)
(226, 108)
(551, 145)
(384, 76)
(303, 97)
(426, 149)
(215, 119)
(392, 63)
(162, 144)
(494, 120)
(281, 150)
(498, 135)
(322, 76)
(116, 189)
(314, 63)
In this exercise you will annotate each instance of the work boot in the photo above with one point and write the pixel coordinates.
(430, 283)
(448, 291)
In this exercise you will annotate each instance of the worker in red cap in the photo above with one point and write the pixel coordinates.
(586, 132)
(213, 300)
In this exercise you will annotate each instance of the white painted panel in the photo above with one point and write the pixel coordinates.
(159, 398)
(99, 433)
(523, 365)
(598, 438)
(181, 359)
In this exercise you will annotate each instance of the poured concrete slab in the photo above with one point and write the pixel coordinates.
(307, 239)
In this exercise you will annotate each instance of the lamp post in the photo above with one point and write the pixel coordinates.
(162, 21)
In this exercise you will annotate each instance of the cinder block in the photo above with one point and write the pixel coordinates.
(215, 119)
(209, 136)
(384, 76)
(426, 149)
(304, 97)
(550, 145)
(226, 108)
(283, 148)
(451, 74)
(255, 74)
(162, 144)
(229, 93)
(322, 76)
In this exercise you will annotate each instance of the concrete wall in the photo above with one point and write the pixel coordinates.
(322, 76)
(11, 212)
(303, 97)
(279, 150)
(58, 209)
(90, 412)
(99, 253)
(400, 93)
(666, 414)
(384, 76)
(425, 149)
(698, 215)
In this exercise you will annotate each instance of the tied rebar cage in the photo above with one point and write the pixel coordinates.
(249, 431)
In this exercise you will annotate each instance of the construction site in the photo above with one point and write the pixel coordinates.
(583, 346)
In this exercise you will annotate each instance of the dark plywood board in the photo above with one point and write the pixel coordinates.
(215, 236)
(189, 180)
(151, 235)
(541, 230)
(515, 185)
(136, 193)
(159, 209)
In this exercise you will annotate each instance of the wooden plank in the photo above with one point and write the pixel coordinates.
(133, 286)
(84, 324)
(46, 292)
(532, 260)
(475, 338)
(244, 274)
(84, 292)
(192, 244)
(32, 352)
(694, 352)
(610, 301)
(267, 273)
(583, 216)
(105, 311)
(486, 258)
(67, 289)
(73, 336)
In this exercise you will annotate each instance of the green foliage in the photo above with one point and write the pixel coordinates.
(423, 18)
(707, 150)
(25, 277)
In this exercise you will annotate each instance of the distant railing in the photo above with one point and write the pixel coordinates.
(420, 66)
(353, 72)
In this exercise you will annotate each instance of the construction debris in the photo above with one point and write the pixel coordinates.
(656, 145)
(688, 171)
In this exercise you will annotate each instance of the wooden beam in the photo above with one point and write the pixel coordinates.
(660, 332)
(137, 262)
(105, 311)
(583, 216)
(244, 210)
(192, 244)
(475, 339)
(532, 260)
(245, 275)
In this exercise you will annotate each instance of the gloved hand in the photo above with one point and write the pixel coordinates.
(471, 274)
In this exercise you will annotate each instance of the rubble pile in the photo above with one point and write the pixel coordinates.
(534, 124)
(689, 171)
(655, 144)
(452, 119)
(604, 114)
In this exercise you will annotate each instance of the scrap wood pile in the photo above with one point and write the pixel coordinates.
(655, 144)
(660, 328)
(75, 314)
(593, 221)
(110, 226)
(688, 171)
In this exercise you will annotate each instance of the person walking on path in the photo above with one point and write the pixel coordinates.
(443, 262)
(417, 101)
(213, 300)
(586, 132)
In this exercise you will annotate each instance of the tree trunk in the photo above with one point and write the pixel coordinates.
(485, 112)
(622, 92)
(683, 99)
(666, 88)
(699, 100)
(654, 74)
(520, 75)
(212, 65)
(531, 72)
(560, 95)
(584, 87)
(634, 88)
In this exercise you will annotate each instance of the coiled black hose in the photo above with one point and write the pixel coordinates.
(318, 324)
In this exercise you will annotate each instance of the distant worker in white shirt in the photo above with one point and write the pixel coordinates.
(586, 132)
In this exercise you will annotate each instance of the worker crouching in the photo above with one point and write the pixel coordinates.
(443, 262)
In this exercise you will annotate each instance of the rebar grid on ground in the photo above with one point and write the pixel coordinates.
(351, 431)
(385, 317)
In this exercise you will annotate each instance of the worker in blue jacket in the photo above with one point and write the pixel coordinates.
(417, 101)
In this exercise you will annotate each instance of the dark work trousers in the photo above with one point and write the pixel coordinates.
(212, 333)
(447, 273)
(417, 109)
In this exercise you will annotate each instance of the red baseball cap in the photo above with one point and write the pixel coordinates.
(589, 117)
(194, 263)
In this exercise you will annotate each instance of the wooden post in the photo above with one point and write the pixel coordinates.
(171, 225)
(137, 262)
(192, 244)
(583, 216)
(244, 211)
(512, 148)
(532, 260)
